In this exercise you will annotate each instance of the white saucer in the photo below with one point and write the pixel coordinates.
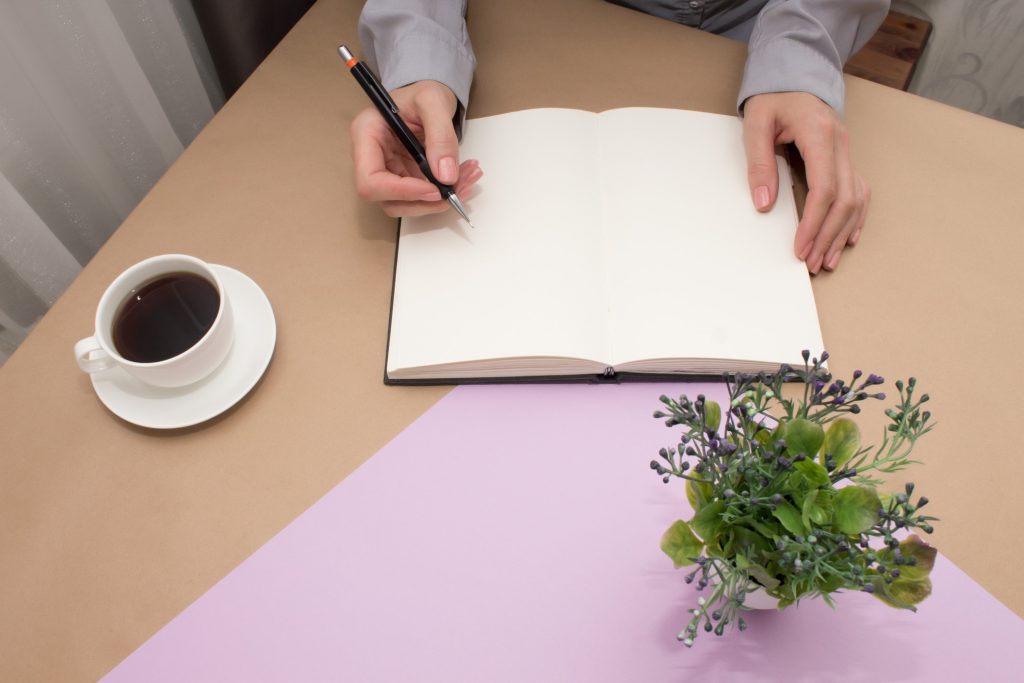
(159, 408)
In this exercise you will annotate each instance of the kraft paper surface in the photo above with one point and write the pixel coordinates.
(108, 531)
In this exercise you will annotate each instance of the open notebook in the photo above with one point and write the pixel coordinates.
(613, 245)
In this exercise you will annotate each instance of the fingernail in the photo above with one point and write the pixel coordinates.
(449, 170)
(805, 251)
(430, 196)
(815, 265)
(762, 198)
(833, 262)
(854, 238)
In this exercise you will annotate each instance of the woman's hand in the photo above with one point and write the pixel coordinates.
(837, 198)
(387, 175)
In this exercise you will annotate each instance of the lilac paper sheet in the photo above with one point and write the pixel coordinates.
(511, 534)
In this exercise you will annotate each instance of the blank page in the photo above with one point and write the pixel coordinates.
(529, 279)
(694, 270)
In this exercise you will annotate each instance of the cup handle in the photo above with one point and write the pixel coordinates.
(91, 358)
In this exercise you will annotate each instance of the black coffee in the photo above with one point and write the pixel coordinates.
(165, 317)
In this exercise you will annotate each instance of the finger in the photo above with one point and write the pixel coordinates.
(862, 218)
(856, 220)
(831, 239)
(468, 167)
(399, 209)
(374, 181)
(467, 179)
(818, 151)
(762, 172)
(403, 165)
(368, 147)
(839, 244)
(470, 173)
(435, 113)
(385, 186)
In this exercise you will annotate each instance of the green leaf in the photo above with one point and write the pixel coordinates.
(697, 494)
(821, 513)
(749, 542)
(815, 474)
(712, 415)
(713, 548)
(910, 592)
(763, 435)
(769, 532)
(903, 593)
(802, 436)
(726, 540)
(796, 485)
(708, 520)
(799, 587)
(805, 513)
(855, 509)
(842, 440)
(774, 569)
(914, 547)
(761, 575)
(832, 583)
(790, 518)
(680, 544)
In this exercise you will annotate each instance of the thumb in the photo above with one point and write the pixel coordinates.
(762, 173)
(436, 112)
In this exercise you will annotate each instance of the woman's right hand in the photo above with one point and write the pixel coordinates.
(387, 175)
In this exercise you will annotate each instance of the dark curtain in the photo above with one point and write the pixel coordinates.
(241, 33)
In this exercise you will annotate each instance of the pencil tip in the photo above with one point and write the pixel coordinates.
(453, 199)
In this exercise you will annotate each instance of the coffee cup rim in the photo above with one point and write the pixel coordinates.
(108, 294)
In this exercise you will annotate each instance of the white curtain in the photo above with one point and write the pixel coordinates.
(974, 55)
(97, 98)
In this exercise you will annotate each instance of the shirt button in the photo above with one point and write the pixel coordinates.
(694, 4)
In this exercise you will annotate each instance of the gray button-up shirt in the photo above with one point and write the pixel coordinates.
(793, 45)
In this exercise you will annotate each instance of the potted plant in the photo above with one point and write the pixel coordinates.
(785, 499)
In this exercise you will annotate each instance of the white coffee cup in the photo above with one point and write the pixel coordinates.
(98, 352)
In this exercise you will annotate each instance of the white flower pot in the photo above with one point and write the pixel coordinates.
(758, 599)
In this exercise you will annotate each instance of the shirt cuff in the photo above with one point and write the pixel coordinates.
(788, 65)
(431, 57)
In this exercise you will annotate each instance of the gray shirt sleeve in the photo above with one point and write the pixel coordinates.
(415, 40)
(801, 46)
(795, 45)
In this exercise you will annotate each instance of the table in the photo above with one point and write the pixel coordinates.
(108, 531)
